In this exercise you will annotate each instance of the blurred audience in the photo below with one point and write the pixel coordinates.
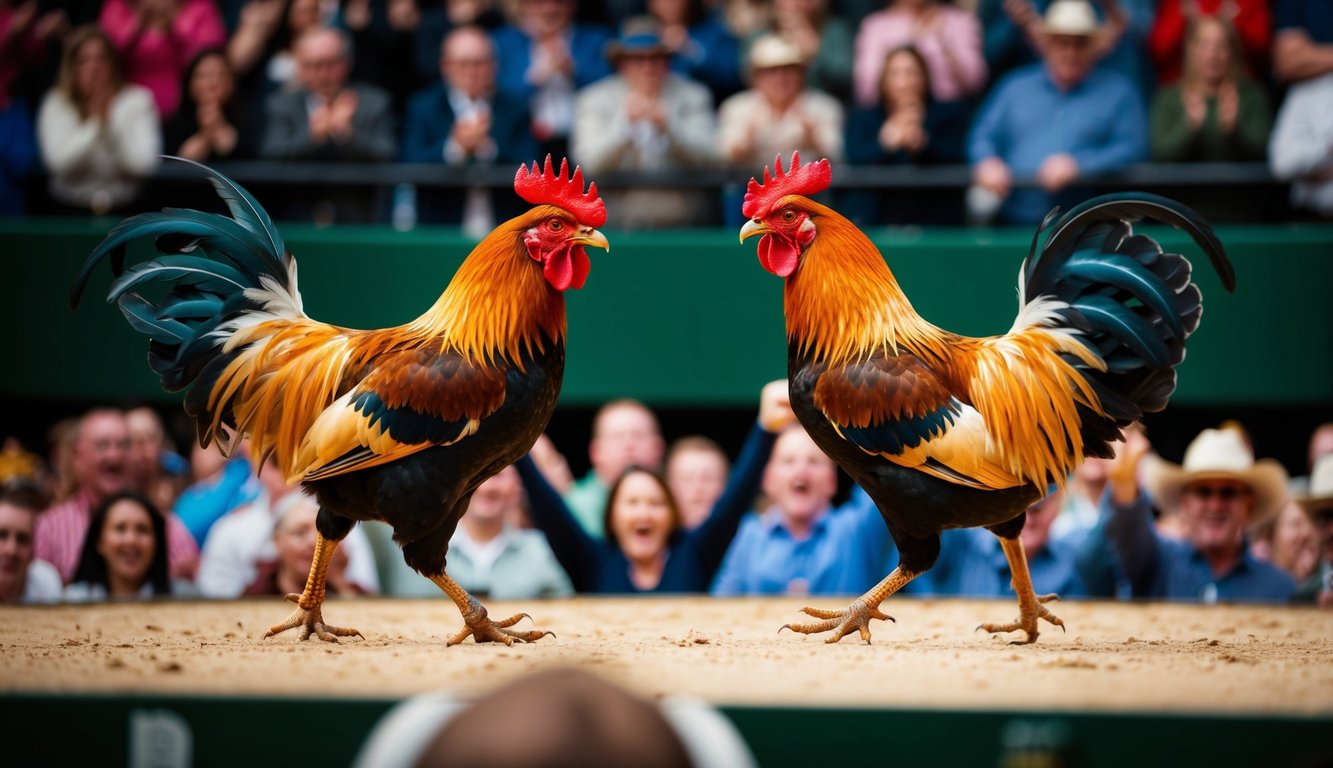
(644, 118)
(1057, 122)
(25, 34)
(1318, 504)
(99, 135)
(1302, 40)
(1300, 149)
(1288, 540)
(219, 485)
(696, 473)
(213, 122)
(157, 39)
(779, 114)
(23, 577)
(438, 19)
(948, 37)
(156, 471)
(624, 433)
(1252, 20)
(284, 570)
(702, 48)
(826, 42)
(123, 556)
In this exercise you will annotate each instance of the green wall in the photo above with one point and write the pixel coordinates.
(681, 318)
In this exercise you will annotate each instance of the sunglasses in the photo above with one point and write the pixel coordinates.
(1224, 492)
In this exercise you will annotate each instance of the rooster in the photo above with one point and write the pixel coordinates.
(400, 424)
(947, 431)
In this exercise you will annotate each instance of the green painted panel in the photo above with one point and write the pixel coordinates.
(682, 318)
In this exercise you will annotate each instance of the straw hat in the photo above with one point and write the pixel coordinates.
(1070, 17)
(1320, 496)
(1219, 454)
(771, 51)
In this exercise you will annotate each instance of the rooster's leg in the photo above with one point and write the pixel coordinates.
(482, 629)
(1030, 607)
(856, 616)
(307, 615)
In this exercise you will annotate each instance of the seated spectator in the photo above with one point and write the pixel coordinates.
(1300, 149)
(907, 127)
(1288, 540)
(1101, 125)
(382, 34)
(696, 473)
(261, 50)
(948, 37)
(1302, 40)
(294, 537)
(329, 119)
(219, 485)
(972, 564)
(243, 539)
(123, 556)
(545, 57)
(156, 39)
(702, 48)
(1215, 113)
(99, 465)
(1014, 39)
(1319, 446)
(1252, 20)
(156, 472)
(1220, 491)
(824, 38)
(644, 118)
(99, 136)
(24, 36)
(23, 578)
(1318, 504)
(624, 433)
(778, 113)
(464, 120)
(438, 19)
(213, 123)
(646, 549)
(801, 545)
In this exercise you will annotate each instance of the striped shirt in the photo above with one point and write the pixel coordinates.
(60, 530)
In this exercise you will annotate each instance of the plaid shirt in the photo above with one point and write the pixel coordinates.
(60, 530)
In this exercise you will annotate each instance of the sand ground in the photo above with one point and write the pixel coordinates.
(1113, 656)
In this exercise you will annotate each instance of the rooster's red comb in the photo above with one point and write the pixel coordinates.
(545, 187)
(800, 180)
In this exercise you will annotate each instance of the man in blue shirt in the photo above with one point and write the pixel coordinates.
(1054, 122)
(1219, 491)
(801, 544)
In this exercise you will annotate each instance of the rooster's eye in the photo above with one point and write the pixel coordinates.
(789, 215)
(556, 225)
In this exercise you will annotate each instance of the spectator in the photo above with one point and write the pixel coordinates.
(1057, 122)
(294, 537)
(1318, 504)
(463, 120)
(948, 38)
(624, 433)
(1300, 149)
(1220, 491)
(972, 564)
(24, 35)
(1251, 19)
(26, 32)
(644, 118)
(646, 549)
(213, 122)
(441, 17)
(1215, 113)
(261, 51)
(157, 39)
(779, 114)
(1288, 540)
(907, 127)
(383, 35)
(329, 119)
(824, 38)
(98, 135)
(220, 485)
(1302, 40)
(243, 539)
(702, 48)
(554, 467)
(156, 472)
(1320, 445)
(696, 473)
(122, 556)
(99, 464)
(545, 58)
(801, 545)
(23, 578)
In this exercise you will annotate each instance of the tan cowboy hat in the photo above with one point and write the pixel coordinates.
(1320, 496)
(1217, 454)
(1070, 17)
(772, 51)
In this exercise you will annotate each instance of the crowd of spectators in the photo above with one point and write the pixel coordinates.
(1037, 96)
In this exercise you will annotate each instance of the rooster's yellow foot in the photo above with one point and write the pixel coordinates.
(483, 630)
(311, 622)
(1028, 621)
(855, 617)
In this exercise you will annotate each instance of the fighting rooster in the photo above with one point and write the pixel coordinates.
(400, 424)
(946, 431)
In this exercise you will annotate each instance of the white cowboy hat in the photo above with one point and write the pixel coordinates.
(1070, 17)
(1320, 495)
(771, 51)
(1219, 454)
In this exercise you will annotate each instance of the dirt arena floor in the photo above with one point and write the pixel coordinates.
(1114, 657)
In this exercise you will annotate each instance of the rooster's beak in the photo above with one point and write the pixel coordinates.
(590, 236)
(754, 227)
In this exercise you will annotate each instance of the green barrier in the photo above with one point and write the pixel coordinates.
(682, 318)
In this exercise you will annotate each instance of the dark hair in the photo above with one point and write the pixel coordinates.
(187, 101)
(910, 50)
(24, 494)
(615, 491)
(92, 565)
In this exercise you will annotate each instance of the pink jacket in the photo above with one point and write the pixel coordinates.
(156, 59)
(956, 35)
